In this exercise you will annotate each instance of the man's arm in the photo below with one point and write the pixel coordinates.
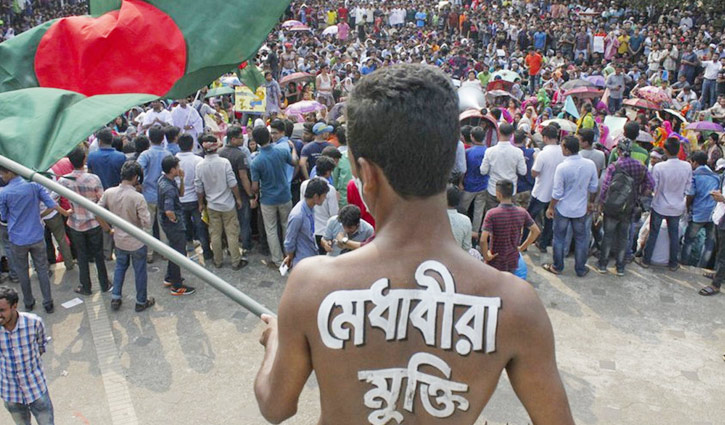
(287, 363)
(303, 168)
(534, 233)
(290, 240)
(483, 245)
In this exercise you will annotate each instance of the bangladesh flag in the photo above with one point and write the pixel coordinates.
(64, 79)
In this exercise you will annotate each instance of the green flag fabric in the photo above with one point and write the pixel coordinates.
(99, 7)
(93, 69)
(250, 76)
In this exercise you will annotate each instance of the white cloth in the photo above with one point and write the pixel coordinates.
(503, 162)
(545, 164)
(188, 162)
(712, 68)
(215, 178)
(323, 212)
(187, 116)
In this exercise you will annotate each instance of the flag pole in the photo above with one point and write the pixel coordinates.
(205, 275)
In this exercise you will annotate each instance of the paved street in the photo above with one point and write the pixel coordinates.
(643, 349)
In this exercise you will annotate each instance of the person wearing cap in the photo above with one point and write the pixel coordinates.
(617, 227)
(701, 206)
(313, 150)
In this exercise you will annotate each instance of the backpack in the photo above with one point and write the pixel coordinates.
(621, 197)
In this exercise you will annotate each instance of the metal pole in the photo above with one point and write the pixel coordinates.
(225, 288)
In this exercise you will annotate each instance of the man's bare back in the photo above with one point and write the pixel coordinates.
(409, 328)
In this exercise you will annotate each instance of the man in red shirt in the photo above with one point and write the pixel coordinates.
(342, 13)
(504, 225)
(533, 62)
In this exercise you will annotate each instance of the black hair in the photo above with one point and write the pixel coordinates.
(261, 135)
(400, 117)
(466, 131)
(117, 143)
(141, 143)
(349, 215)
(289, 128)
(672, 145)
(341, 134)
(316, 186)
(478, 134)
(172, 133)
(496, 113)
(169, 163)
(104, 136)
(506, 130)
(550, 132)
(631, 130)
(186, 142)
(587, 135)
(77, 156)
(519, 137)
(156, 135)
(130, 169)
(699, 157)
(278, 125)
(9, 294)
(453, 196)
(324, 167)
(571, 143)
(234, 132)
(505, 188)
(331, 152)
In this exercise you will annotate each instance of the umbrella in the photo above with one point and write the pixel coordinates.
(573, 84)
(293, 78)
(231, 81)
(584, 92)
(220, 91)
(304, 107)
(705, 126)
(676, 114)
(645, 137)
(291, 23)
(565, 125)
(597, 80)
(499, 85)
(505, 75)
(653, 94)
(299, 28)
(641, 104)
(498, 93)
(331, 30)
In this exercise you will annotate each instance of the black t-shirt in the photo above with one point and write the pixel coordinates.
(238, 160)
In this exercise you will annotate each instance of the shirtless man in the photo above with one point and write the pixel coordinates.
(419, 352)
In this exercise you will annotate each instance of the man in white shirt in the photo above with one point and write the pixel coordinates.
(502, 162)
(157, 115)
(709, 83)
(189, 121)
(195, 227)
(543, 170)
(329, 208)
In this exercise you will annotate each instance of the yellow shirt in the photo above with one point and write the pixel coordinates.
(331, 17)
(623, 44)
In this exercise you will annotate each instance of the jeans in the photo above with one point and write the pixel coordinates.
(40, 260)
(616, 235)
(673, 223)
(709, 93)
(614, 105)
(195, 227)
(90, 244)
(123, 260)
(12, 263)
(56, 227)
(272, 215)
(719, 260)
(533, 83)
(690, 235)
(176, 235)
(535, 208)
(227, 222)
(244, 216)
(570, 235)
(479, 204)
(42, 410)
(581, 248)
(153, 231)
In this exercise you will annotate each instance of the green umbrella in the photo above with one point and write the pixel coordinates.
(220, 91)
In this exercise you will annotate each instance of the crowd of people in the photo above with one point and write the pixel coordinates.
(542, 164)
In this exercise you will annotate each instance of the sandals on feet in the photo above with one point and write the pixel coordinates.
(550, 268)
(708, 291)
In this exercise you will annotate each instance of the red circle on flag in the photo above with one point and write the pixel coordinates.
(137, 49)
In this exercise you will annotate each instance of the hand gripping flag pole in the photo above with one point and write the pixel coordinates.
(222, 286)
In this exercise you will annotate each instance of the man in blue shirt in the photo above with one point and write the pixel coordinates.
(574, 180)
(540, 39)
(475, 185)
(150, 161)
(20, 208)
(269, 180)
(701, 205)
(299, 240)
(524, 184)
(106, 163)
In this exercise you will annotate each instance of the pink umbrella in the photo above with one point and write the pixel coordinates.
(641, 104)
(653, 94)
(294, 77)
(705, 126)
(584, 92)
(304, 107)
(597, 80)
(291, 23)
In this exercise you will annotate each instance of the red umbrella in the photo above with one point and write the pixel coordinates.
(641, 104)
(585, 92)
